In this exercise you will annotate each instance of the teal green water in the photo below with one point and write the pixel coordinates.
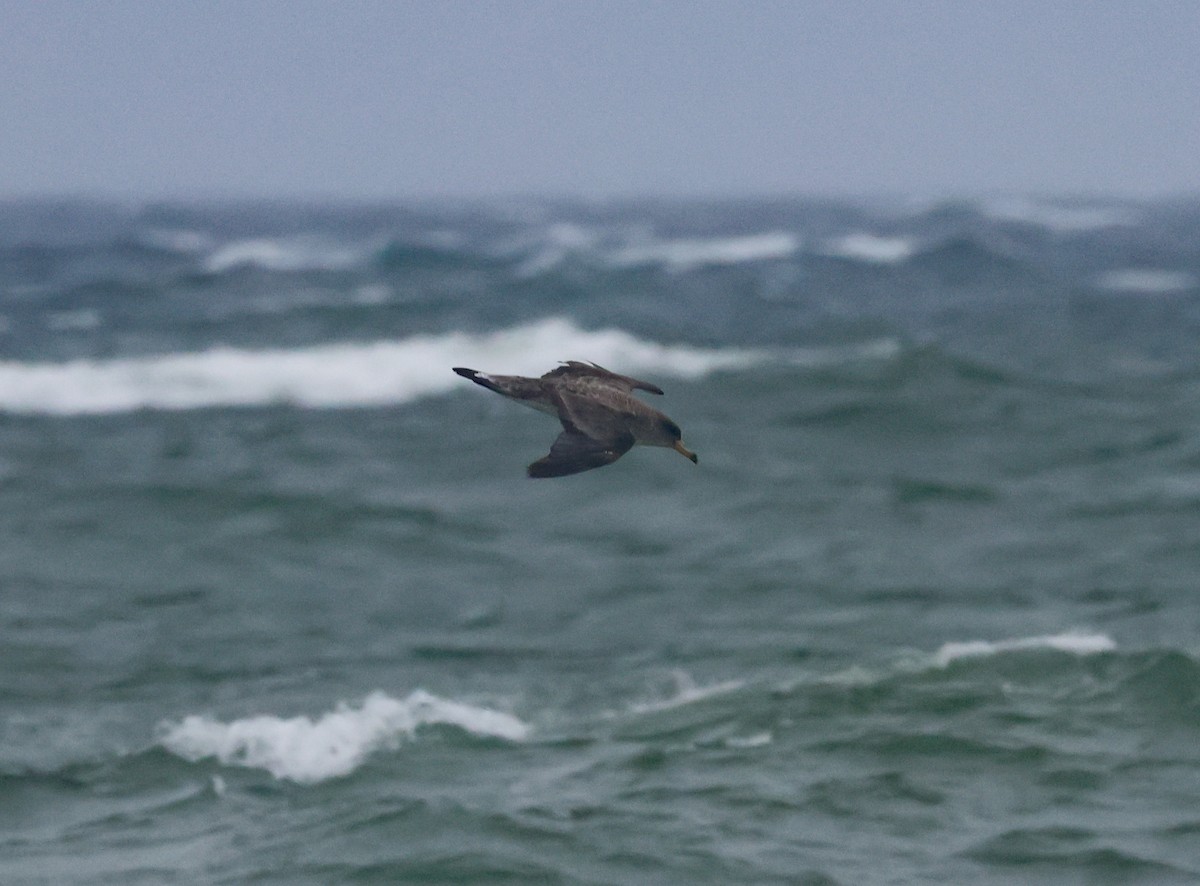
(278, 604)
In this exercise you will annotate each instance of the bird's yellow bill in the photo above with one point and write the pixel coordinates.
(685, 452)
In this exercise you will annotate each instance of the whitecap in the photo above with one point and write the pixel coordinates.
(871, 248)
(343, 374)
(283, 254)
(1072, 642)
(308, 751)
(745, 742)
(557, 243)
(688, 254)
(686, 691)
(1064, 217)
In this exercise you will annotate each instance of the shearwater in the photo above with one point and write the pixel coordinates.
(601, 418)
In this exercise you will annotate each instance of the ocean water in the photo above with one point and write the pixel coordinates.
(279, 605)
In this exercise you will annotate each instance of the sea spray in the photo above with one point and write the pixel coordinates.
(340, 374)
(308, 751)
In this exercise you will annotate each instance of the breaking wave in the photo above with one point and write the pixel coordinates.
(688, 254)
(1072, 642)
(308, 751)
(340, 374)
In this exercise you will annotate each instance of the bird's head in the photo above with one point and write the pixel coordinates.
(673, 437)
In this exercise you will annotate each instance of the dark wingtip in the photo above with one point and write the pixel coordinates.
(544, 467)
(479, 378)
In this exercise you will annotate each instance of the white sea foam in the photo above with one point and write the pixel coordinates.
(558, 242)
(871, 248)
(757, 740)
(1073, 642)
(308, 751)
(686, 691)
(1059, 216)
(687, 254)
(1146, 281)
(283, 254)
(338, 375)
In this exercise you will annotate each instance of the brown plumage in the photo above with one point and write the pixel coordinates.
(601, 418)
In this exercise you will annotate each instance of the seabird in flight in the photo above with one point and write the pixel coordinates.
(601, 418)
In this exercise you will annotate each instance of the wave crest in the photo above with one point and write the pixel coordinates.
(303, 253)
(308, 751)
(342, 374)
(687, 255)
(1072, 642)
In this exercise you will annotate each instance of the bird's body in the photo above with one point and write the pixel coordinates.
(601, 418)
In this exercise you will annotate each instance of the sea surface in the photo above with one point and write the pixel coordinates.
(279, 605)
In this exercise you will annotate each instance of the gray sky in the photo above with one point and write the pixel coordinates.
(153, 98)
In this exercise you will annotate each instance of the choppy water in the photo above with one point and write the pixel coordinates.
(278, 604)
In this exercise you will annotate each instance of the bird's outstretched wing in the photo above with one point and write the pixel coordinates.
(593, 436)
(574, 369)
(574, 451)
